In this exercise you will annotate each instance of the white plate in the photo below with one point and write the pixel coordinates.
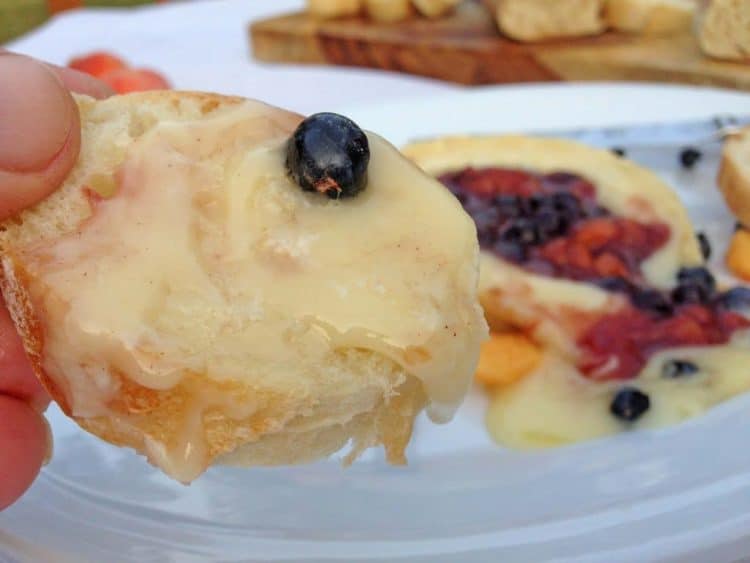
(680, 494)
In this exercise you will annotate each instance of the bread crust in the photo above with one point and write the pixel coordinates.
(538, 20)
(724, 29)
(289, 427)
(734, 175)
(651, 16)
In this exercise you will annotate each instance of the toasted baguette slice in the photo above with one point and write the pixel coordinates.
(651, 16)
(180, 295)
(734, 175)
(537, 20)
(725, 29)
(552, 308)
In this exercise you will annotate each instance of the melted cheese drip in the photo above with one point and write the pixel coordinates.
(209, 260)
(556, 406)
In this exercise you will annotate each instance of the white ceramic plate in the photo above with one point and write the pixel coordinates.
(679, 494)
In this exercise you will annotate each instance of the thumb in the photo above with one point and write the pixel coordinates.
(39, 133)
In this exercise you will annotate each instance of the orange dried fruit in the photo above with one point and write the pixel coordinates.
(507, 357)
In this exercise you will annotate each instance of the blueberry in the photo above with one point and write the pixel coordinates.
(508, 206)
(521, 231)
(697, 276)
(619, 151)
(549, 224)
(689, 157)
(329, 153)
(567, 203)
(531, 205)
(737, 298)
(689, 294)
(486, 218)
(615, 284)
(652, 300)
(474, 205)
(629, 404)
(695, 285)
(705, 245)
(511, 251)
(678, 368)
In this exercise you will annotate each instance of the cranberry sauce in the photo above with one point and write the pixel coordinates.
(619, 345)
(552, 225)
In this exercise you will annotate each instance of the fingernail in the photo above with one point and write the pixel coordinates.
(36, 115)
(50, 443)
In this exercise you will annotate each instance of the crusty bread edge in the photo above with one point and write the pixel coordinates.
(734, 179)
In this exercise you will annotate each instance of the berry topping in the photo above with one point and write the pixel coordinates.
(653, 301)
(618, 345)
(695, 285)
(689, 157)
(629, 404)
(678, 368)
(508, 206)
(554, 226)
(329, 154)
(697, 276)
(615, 285)
(735, 299)
(705, 245)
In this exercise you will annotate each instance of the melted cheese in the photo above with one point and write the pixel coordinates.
(209, 260)
(555, 405)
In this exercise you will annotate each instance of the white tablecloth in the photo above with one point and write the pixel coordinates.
(203, 45)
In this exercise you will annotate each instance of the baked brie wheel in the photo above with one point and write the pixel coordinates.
(594, 260)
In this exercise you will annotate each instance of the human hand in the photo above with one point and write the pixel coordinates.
(40, 138)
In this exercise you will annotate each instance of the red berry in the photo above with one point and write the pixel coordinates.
(97, 64)
(124, 81)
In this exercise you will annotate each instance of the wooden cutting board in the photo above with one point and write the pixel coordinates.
(466, 48)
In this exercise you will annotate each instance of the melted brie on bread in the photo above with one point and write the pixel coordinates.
(181, 295)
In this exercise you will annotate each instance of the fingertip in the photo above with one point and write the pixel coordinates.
(82, 83)
(39, 133)
(24, 445)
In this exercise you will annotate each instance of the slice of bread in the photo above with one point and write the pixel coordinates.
(514, 297)
(734, 175)
(651, 16)
(725, 29)
(180, 295)
(537, 20)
